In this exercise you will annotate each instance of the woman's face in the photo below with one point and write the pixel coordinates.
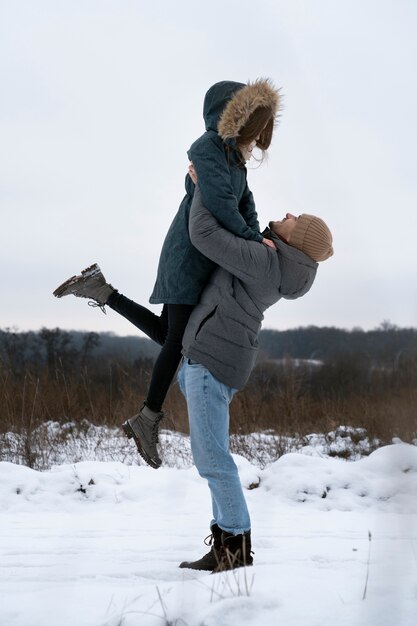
(246, 151)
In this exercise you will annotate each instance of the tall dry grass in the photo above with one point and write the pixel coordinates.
(283, 397)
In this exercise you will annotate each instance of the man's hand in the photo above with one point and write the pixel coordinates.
(192, 173)
(269, 243)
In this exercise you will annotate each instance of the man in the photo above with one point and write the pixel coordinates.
(220, 348)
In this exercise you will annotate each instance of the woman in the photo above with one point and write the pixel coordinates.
(238, 117)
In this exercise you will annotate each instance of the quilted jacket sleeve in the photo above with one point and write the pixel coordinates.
(214, 181)
(247, 209)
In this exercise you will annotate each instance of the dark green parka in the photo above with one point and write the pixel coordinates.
(183, 271)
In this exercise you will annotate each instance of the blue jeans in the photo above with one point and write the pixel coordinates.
(208, 402)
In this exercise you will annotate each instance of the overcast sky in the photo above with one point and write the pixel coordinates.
(101, 99)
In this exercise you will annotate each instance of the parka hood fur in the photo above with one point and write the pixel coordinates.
(236, 113)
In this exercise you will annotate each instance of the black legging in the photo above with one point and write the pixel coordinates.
(167, 330)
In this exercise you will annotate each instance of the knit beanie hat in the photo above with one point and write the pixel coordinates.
(313, 237)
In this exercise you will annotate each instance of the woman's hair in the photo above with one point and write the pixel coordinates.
(260, 123)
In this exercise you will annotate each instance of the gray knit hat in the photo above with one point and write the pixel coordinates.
(312, 236)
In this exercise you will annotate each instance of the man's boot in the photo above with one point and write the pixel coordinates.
(235, 551)
(89, 284)
(143, 428)
(210, 560)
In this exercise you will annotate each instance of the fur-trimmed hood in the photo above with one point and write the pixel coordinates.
(228, 105)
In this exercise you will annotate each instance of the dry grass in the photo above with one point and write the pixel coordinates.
(285, 400)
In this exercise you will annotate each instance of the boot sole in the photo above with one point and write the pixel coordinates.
(92, 270)
(130, 434)
(195, 565)
(59, 291)
(230, 566)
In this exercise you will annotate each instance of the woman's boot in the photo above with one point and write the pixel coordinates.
(89, 284)
(143, 428)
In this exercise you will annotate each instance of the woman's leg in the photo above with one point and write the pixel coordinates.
(167, 330)
(154, 326)
(170, 355)
(143, 427)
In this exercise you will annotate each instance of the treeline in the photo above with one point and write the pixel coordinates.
(307, 379)
(383, 346)
(20, 350)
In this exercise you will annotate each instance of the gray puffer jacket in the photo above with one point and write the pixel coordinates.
(223, 328)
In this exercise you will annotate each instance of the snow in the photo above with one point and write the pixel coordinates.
(53, 443)
(98, 544)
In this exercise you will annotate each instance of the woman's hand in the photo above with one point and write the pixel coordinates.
(269, 243)
(192, 173)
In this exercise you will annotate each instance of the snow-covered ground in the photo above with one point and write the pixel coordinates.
(53, 443)
(99, 543)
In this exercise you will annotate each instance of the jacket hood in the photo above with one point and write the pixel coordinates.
(228, 105)
(216, 99)
(244, 102)
(298, 270)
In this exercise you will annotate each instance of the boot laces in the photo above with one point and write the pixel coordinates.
(155, 429)
(97, 305)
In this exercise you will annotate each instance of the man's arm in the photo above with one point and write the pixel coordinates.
(245, 259)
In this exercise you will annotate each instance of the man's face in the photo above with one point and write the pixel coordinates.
(283, 228)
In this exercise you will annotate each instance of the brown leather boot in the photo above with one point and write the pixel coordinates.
(235, 551)
(210, 560)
